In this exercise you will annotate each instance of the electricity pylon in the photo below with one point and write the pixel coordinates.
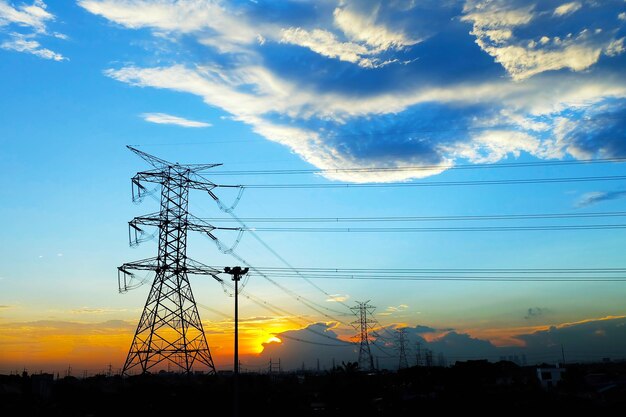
(169, 329)
(402, 340)
(362, 311)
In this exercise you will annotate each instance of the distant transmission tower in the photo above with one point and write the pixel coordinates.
(418, 354)
(362, 311)
(170, 329)
(402, 340)
(429, 358)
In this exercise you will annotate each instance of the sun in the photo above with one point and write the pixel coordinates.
(273, 339)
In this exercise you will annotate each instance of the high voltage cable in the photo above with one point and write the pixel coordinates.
(292, 293)
(435, 229)
(302, 299)
(455, 270)
(229, 211)
(422, 218)
(465, 278)
(219, 313)
(417, 167)
(299, 298)
(279, 311)
(436, 183)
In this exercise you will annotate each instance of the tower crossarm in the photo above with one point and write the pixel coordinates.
(201, 185)
(151, 159)
(136, 233)
(161, 164)
(196, 224)
(157, 176)
(148, 264)
(148, 220)
(125, 276)
(151, 264)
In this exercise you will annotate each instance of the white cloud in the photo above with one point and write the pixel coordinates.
(567, 8)
(494, 24)
(187, 16)
(622, 16)
(33, 16)
(162, 118)
(326, 43)
(20, 43)
(221, 28)
(494, 145)
(249, 93)
(523, 62)
(360, 27)
(496, 14)
(338, 298)
(367, 39)
(394, 309)
(615, 48)
(290, 109)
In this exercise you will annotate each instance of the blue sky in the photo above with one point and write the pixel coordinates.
(312, 84)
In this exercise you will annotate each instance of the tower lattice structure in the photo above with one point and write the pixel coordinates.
(402, 340)
(363, 310)
(169, 333)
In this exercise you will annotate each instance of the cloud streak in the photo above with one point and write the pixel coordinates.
(567, 8)
(21, 44)
(34, 18)
(596, 197)
(168, 119)
(34, 15)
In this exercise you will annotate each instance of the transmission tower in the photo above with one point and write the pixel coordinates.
(418, 354)
(402, 340)
(275, 367)
(169, 329)
(362, 311)
(429, 358)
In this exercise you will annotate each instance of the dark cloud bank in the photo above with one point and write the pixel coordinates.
(584, 341)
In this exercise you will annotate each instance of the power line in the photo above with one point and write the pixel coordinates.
(418, 167)
(422, 218)
(438, 183)
(455, 270)
(435, 229)
(304, 300)
(229, 211)
(471, 278)
(293, 294)
(281, 312)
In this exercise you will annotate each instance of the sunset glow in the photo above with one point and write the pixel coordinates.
(447, 175)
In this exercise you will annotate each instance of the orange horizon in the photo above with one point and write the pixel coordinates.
(55, 345)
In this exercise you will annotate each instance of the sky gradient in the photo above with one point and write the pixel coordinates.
(291, 85)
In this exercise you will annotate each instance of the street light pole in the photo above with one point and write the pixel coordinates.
(237, 272)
